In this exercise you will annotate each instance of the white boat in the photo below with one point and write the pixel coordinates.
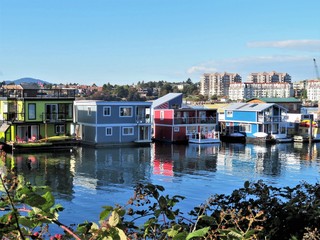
(284, 140)
(260, 134)
(201, 138)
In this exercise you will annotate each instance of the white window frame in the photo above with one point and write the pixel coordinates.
(32, 111)
(229, 113)
(60, 128)
(129, 129)
(106, 111)
(246, 127)
(121, 109)
(108, 131)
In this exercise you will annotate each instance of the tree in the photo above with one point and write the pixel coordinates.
(189, 81)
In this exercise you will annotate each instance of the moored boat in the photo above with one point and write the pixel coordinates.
(235, 137)
(201, 138)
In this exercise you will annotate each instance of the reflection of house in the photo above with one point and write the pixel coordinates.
(101, 123)
(175, 123)
(253, 118)
(30, 113)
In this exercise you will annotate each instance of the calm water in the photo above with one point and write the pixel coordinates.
(90, 178)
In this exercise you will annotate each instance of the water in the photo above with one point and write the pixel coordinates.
(88, 179)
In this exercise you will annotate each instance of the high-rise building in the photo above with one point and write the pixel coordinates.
(217, 84)
(269, 77)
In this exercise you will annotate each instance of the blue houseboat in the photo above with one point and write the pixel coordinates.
(102, 123)
(256, 121)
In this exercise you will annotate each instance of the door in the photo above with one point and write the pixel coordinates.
(144, 133)
(52, 112)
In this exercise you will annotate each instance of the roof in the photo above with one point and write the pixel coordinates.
(166, 98)
(110, 103)
(277, 100)
(250, 107)
(219, 106)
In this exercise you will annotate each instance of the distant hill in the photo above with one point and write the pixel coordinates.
(26, 80)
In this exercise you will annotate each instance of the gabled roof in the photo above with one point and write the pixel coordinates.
(251, 107)
(276, 100)
(166, 98)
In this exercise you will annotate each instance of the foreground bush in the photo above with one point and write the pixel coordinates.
(256, 211)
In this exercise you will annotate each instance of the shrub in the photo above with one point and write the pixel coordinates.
(256, 211)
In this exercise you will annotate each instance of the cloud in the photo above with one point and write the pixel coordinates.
(301, 45)
(201, 69)
(298, 66)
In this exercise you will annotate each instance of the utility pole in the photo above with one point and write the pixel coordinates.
(316, 69)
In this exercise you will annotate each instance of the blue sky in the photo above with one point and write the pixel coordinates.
(126, 41)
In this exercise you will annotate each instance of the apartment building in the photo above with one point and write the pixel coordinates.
(236, 91)
(217, 83)
(269, 77)
(313, 90)
(271, 90)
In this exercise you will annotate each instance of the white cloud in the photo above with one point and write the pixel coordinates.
(298, 66)
(301, 45)
(201, 69)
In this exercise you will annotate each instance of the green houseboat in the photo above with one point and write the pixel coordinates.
(33, 118)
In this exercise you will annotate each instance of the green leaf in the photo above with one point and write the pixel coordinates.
(172, 232)
(198, 233)
(180, 236)
(34, 200)
(163, 202)
(106, 212)
(49, 201)
(28, 222)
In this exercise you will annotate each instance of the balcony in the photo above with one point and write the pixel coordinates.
(13, 117)
(195, 120)
(56, 117)
(38, 93)
(143, 119)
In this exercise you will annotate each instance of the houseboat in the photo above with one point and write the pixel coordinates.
(103, 123)
(259, 122)
(31, 116)
(177, 123)
(308, 129)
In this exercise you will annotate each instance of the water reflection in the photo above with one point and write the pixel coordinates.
(108, 175)
(173, 160)
(50, 169)
(96, 168)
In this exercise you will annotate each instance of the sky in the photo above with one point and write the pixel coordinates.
(125, 41)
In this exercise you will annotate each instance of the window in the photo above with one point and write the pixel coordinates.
(161, 115)
(65, 110)
(229, 113)
(176, 129)
(108, 131)
(32, 111)
(245, 128)
(52, 112)
(125, 111)
(106, 111)
(60, 128)
(89, 111)
(127, 131)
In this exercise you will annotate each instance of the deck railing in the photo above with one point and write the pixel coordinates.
(195, 120)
